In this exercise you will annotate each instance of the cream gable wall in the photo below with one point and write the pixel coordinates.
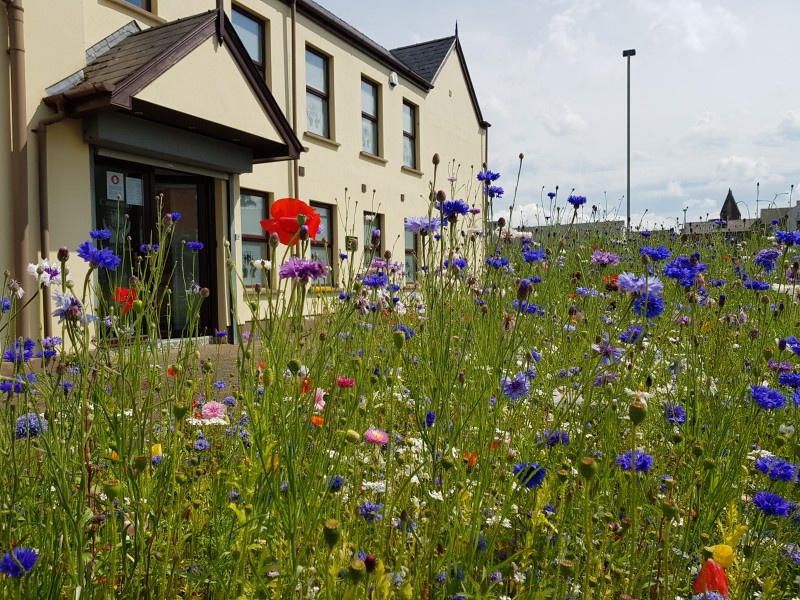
(207, 83)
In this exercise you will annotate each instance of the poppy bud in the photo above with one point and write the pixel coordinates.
(179, 411)
(112, 489)
(441, 196)
(669, 509)
(357, 570)
(352, 436)
(566, 567)
(587, 467)
(387, 255)
(294, 366)
(274, 241)
(447, 463)
(140, 462)
(399, 338)
(436, 159)
(331, 532)
(303, 233)
(301, 219)
(501, 222)
(63, 254)
(637, 411)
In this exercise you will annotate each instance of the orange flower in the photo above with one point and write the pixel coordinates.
(284, 220)
(128, 296)
(470, 459)
(317, 421)
(305, 385)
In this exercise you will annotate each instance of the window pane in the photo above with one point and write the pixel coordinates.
(411, 267)
(316, 72)
(411, 240)
(409, 153)
(408, 119)
(323, 254)
(324, 232)
(251, 33)
(317, 115)
(369, 99)
(369, 136)
(254, 251)
(145, 4)
(254, 208)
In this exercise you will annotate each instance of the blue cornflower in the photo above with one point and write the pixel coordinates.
(640, 461)
(758, 286)
(5, 305)
(788, 237)
(220, 385)
(767, 398)
(772, 505)
(534, 255)
(422, 225)
(407, 331)
(530, 475)
(792, 552)
(651, 306)
(608, 353)
(194, 246)
(229, 401)
(789, 379)
(639, 286)
(793, 344)
(497, 576)
(145, 248)
(175, 216)
(370, 511)
(716, 282)
(20, 353)
(577, 201)
(100, 234)
(655, 254)
(767, 258)
(495, 191)
(335, 483)
(376, 280)
(18, 384)
(553, 438)
(104, 258)
(25, 560)
(430, 419)
(708, 596)
(674, 413)
(202, 444)
(517, 387)
(487, 176)
(452, 208)
(28, 426)
(631, 334)
(684, 269)
(459, 263)
(776, 469)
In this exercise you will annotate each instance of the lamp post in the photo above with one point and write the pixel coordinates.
(684, 217)
(627, 54)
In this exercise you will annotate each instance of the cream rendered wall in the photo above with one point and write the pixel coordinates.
(6, 214)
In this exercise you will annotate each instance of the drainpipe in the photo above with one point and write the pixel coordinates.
(44, 203)
(19, 149)
(296, 162)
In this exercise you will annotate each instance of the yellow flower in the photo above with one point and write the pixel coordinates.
(155, 450)
(723, 555)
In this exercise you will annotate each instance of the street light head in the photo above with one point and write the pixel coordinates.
(626, 53)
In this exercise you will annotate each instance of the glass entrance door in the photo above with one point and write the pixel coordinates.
(129, 200)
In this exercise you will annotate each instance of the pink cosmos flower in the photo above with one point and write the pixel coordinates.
(214, 410)
(346, 382)
(319, 399)
(376, 436)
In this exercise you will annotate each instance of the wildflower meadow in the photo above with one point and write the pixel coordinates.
(558, 412)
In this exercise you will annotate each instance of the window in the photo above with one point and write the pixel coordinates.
(317, 94)
(372, 221)
(409, 135)
(250, 30)
(143, 4)
(255, 241)
(369, 117)
(322, 246)
(411, 257)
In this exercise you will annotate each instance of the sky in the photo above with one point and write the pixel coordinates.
(715, 97)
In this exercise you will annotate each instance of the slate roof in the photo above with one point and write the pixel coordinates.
(138, 49)
(730, 211)
(426, 58)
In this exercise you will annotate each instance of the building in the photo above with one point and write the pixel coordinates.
(219, 109)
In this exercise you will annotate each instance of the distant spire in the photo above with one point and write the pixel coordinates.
(456, 27)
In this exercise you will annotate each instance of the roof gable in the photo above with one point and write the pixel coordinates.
(730, 211)
(426, 58)
(113, 80)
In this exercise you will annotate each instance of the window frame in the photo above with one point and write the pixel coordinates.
(411, 135)
(258, 239)
(324, 95)
(326, 245)
(146, 5)
(411, 276)
(374, 119)
(261, 64)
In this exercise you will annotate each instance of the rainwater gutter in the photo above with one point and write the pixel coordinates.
(19, 149)
(295, 162)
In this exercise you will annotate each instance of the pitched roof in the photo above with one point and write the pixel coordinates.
(730, 211)
(426, 58)
(111, 80)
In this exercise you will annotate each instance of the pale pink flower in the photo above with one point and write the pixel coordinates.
(214, 410)
(319, 399)
(376, 436)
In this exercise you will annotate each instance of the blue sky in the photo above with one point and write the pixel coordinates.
(715, 95)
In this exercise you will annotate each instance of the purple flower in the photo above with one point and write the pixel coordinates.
(303, 269)
(639, 286)
(789, 379)
(631, 334)
(20, 353)
(608, 353)
(422, 225)
(776, 469)
(28, 426)
(577, 201)
(651, 306)
(684, 269)
(517, 387)
(194, 246)
(530, 475)
(370, 511)
(495, 191)
(202, 444)
(767, 398)
(772, 505)
(674, 413)
(757, 286)
(640, 461)
(104, 258)
(655, 254)
(100, 234)
(487, 176)
(430, 419)
(605, 258)
(452, 208)
(21, 562)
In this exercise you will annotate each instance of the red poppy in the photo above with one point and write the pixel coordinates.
(175, 370)
(305, 385)
(470, 459)
(127, 296)
(711, 578)
(284, 220)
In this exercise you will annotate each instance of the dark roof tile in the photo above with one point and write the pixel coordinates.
(426, 58)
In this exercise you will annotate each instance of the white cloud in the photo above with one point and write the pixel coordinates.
(565, 123)
(742, 168)
(696, 26)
